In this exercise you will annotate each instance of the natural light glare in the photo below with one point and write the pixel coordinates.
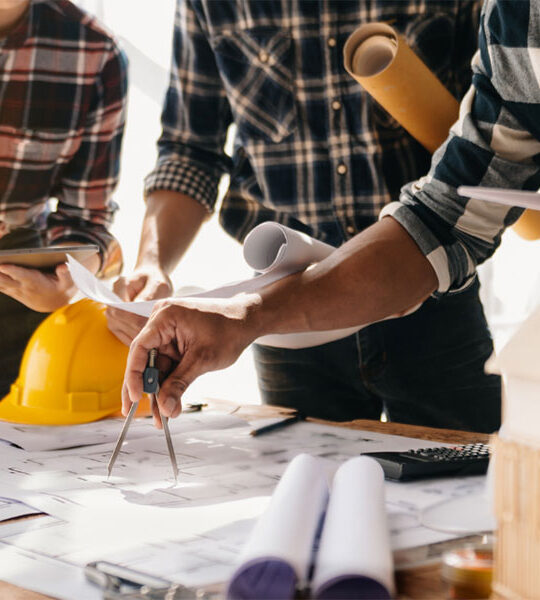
(214, 258)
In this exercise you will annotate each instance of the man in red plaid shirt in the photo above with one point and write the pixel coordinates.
(63, 85)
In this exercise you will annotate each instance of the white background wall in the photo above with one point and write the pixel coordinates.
(510, 281)
(144, 29)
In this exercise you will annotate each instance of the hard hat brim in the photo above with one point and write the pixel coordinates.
(15, 413)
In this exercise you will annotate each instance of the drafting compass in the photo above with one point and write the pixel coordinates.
(150, 387)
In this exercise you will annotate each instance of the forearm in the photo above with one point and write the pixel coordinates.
(379, 273)
(171, 222)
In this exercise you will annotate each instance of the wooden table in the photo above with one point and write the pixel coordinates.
(420, 583)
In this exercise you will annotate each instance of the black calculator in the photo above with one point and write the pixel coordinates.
(441, 461)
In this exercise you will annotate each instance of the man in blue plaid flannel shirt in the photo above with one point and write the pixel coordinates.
(314, 152)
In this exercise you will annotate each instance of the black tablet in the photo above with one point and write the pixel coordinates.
(45, 258)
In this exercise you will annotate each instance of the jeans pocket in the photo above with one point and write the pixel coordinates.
(257, 70)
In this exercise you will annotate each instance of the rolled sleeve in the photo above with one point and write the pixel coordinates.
(186, 178)
(195, 118)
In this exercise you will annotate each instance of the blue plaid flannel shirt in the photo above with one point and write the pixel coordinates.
(495, 142)
(312, 150)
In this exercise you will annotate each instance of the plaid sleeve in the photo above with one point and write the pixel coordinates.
(195, 117)
(85, 207)
(495, 142)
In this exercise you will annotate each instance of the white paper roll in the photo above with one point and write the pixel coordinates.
(286, 532)
(355, 552)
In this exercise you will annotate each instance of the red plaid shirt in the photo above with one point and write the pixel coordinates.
(63, 84)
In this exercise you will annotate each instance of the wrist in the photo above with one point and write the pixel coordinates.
(255, 319)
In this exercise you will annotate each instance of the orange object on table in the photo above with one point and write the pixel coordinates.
(468, 572)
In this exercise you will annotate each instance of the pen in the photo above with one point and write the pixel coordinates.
(194, 407)
(278, 425)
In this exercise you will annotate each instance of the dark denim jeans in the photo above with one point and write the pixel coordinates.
(17, 322)
(424, 369)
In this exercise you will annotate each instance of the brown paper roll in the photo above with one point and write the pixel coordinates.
(384, 65)
(382, 62)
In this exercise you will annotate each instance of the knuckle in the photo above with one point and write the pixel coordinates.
(177, 385)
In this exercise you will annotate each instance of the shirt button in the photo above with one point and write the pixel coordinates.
(342, 169)
(263, 56)
(350, 230)
(331, 42)
(336, 105)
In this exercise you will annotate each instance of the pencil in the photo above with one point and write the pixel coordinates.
(278, 425)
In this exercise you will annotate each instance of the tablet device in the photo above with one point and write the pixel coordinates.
(45, 258)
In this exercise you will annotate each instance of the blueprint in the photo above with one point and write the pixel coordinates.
(192, 532)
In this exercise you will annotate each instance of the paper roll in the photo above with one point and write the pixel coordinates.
(278, 554)
(384, 65)
(355, 557)
(382, 62)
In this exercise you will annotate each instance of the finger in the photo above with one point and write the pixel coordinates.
(64, 278)
(135, 286)
(4, 273)
(116, 328)
(124, 337)
(165, 365)
(123, 323)
(16, 273)
(119, 288)
(175, 385)
(126, 401)
(150, 337)
(155, 290)
(7, 283)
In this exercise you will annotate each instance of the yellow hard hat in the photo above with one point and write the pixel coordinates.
(71, 372)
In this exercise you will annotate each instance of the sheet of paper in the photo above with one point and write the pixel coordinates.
(11, 509)
(40, 573)
(354, 550)
(193, 531)
(38, 437)
(272, 249)
(506, 197)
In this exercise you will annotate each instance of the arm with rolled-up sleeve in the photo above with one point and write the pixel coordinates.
(195, 118)
(495, 142)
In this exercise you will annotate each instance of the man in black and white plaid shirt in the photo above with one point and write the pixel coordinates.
(314, 152)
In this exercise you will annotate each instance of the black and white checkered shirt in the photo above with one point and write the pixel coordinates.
(496, 142)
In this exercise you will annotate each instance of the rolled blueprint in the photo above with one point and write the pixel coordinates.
(384, 65)
(355, 558)
(272, 249)
(278, 555)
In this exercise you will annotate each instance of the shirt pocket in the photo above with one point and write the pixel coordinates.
(256, 66)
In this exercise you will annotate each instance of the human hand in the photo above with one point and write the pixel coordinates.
(192, 336)
(147, 284)
(43, 292)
